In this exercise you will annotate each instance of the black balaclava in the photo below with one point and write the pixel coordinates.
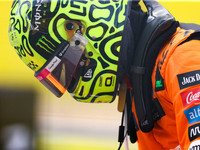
(134, 25)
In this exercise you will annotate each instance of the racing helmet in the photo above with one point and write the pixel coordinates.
(71, 45)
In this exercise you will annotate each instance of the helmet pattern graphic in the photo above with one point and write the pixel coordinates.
(38, 27)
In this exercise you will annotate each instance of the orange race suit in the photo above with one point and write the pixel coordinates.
(176, 84)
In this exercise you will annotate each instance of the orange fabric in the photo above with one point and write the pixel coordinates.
(175, 62)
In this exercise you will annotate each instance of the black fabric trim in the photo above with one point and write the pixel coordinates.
(191, 26)
(194, 36)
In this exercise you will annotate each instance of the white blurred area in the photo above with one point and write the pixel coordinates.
(16, 137)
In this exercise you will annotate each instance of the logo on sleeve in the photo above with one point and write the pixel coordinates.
(194, 132)
(193, 114)
(190, 97)
(189, 79)
(195, 145)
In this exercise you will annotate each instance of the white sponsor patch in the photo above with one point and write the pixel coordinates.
(53, 64)
(194, 145)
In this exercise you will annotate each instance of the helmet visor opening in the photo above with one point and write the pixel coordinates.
(57, 74)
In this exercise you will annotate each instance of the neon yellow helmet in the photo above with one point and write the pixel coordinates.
(70, 44)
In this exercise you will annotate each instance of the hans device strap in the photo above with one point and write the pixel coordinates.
(159, 21)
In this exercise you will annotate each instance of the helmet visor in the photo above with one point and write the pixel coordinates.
(57, 73)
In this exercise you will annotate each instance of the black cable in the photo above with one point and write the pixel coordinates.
(120, 145)
(121, 129)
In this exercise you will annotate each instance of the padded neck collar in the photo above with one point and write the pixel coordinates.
(134, 24)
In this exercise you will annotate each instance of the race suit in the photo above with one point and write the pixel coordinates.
(176, 84)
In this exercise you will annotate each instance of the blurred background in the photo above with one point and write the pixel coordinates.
(31, 116)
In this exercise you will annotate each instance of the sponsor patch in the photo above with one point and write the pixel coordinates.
(194, 145)
(189, 79)
(190, 97)
(193, 114)
(159, 81)
(194, 132)
(53, 64)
